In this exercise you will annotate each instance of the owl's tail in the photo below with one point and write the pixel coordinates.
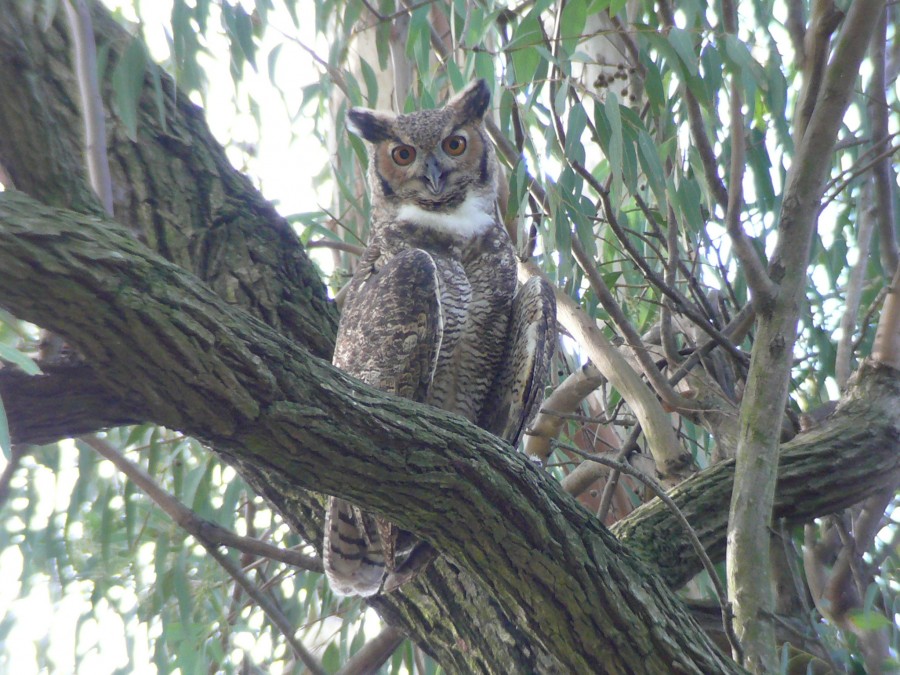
(353, 553)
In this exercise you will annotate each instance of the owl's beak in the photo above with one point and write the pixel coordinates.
(433, 177)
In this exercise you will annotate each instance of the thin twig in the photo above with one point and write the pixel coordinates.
(374, 653)
(761, 286)
(612, 480)
(854, 288)
(190, 521)
(337, 246)
(691, 533)
(667, 335)
(659, 383)
(206, 533)
(683, 305)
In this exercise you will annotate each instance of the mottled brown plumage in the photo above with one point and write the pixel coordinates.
(432, 313)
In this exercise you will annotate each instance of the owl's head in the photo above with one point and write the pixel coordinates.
(431, 159)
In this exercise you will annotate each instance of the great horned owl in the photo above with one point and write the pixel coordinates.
(432, 313)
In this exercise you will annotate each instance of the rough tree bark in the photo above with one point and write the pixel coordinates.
(288, 419)
(540, 588)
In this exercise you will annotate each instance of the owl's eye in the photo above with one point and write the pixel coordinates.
(404, 155)
(454, 145)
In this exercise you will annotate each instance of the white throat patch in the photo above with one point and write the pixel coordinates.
(469, 219)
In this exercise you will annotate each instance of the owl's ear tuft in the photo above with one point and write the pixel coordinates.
(471, 103)
(371, 125)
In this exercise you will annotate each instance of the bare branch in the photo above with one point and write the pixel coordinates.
(853, 292)
(765, 395)
(692, 535)
(664, 446)
(757, 279)
(613, 480)
(200, 530)
(374, 653)
(203, 530)
(886, 348)
(883, 169)
(824, 20)
(344, 246)
(565, 399)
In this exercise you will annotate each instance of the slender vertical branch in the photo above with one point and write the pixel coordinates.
(853, 294)
(883, 168)
(79, 17)
(670, 347)
(766, 391)
(757, 279)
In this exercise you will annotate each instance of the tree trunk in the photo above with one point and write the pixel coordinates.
(536, 586)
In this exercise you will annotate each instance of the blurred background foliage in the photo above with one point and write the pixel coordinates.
(612, 121)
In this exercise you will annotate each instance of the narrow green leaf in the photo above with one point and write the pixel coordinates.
(649, 159)
(106, 524)
(653, 85)
(521, 48)
(128, 83)
(12, 355)
(272, 62)
(611, 107)
(331, 659)
(572, 22)
(682, 42)
(371, 80)
(5, 441)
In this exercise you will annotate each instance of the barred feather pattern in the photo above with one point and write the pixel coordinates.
(432, 312)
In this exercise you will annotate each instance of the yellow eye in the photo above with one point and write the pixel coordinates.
(454, 145)
(404, 155)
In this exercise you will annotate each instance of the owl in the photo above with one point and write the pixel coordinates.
(432, 312)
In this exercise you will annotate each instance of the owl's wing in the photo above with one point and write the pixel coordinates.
(389, 337)
(518, 389)
(392, 324)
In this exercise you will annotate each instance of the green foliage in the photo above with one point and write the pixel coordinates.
(612, 153)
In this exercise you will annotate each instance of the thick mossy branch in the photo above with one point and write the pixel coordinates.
(175, 189)
(154, 333)
(854, 454)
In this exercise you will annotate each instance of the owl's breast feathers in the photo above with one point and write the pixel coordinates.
(464, 282)
(432, 313)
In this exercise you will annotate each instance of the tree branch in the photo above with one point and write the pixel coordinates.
(658, 490)
(64, 401)
(205, 530)
(210, 536)
(765, 395)
(670, 458)
(757, 279)
(292, 421)
(374, 653)
(85, 58)
(879, 112)
(848, 458)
